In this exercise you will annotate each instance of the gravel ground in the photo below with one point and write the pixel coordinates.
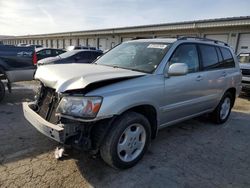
(195, 153)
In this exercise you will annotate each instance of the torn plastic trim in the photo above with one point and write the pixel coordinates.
(84, 120)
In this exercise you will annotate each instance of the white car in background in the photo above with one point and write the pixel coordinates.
(244, 58)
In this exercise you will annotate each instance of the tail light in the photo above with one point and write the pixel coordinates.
(34, 58)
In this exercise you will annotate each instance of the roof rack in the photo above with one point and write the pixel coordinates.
(203, 39)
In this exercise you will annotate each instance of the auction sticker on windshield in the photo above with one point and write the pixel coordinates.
(159, 46)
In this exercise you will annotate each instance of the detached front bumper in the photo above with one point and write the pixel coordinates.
(56, 132)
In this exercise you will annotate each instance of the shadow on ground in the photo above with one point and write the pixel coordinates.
(18, 139)
(195, 153)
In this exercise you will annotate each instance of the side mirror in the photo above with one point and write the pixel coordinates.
(177, 69)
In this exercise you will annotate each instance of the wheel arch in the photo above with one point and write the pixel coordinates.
(150, 112)
(232, 90)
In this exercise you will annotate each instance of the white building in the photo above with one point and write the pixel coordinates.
(235, 31)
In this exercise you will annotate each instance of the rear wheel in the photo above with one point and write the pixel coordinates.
(127, 141)
(223, 110)
(2, 90)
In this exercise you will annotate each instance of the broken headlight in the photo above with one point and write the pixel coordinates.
(84, 107)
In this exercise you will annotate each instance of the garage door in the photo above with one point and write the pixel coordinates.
(55, 43)
(82, 42)
(220, 37)
(91, 43)
(126, 39)
(67, 43)
(60, 43)
(102, 44)
(74, 42)
(50, 43)
(244, 43)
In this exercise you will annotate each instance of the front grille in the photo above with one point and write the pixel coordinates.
(245, 72)
(47, 103)
(245, 82)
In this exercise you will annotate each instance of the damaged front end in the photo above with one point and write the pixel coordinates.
(48, 119)
(64, 111)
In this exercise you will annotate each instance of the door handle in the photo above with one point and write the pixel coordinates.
(224, 73)
(199, 78)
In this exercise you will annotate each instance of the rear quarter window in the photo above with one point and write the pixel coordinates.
(228, 60)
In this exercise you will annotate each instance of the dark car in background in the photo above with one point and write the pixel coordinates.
(35, 45)
(74, 56)
(244, 59)
(48, 52)
(17, 63)
(70, 48)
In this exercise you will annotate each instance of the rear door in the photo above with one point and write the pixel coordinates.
(214, 72)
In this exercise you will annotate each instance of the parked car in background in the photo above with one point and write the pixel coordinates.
(117, 104)
(35, 45)
(16, 64)
(244, 59)
(74, 56)
(48, 52)
(22, 44)
(69, 48)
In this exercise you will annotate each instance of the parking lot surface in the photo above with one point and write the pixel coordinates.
(195, 153)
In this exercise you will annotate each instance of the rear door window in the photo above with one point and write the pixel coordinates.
(57, 52)
(209, 57)
(228, 60)
(48, 52)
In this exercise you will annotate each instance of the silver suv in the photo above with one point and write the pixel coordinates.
(244, 59)
(116, 105)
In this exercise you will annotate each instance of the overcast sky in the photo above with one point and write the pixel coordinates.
(22, 17)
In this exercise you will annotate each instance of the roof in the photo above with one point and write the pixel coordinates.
(189, 39)
(206, 23)
(164, 40)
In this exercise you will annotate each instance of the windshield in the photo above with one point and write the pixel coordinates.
(68, 54)
(138, 56)
(244, 58)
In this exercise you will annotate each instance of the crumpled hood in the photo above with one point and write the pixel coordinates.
(63, 77)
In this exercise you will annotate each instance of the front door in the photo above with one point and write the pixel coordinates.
(184, 95)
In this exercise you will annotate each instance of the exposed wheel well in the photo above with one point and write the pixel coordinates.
(150, 113)
(233, 93)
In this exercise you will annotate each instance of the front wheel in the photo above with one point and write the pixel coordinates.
(127, 141)
(2, 90)
(223, 110)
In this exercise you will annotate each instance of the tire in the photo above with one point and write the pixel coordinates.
(223, 110)
(130, 131)
(2, 90)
